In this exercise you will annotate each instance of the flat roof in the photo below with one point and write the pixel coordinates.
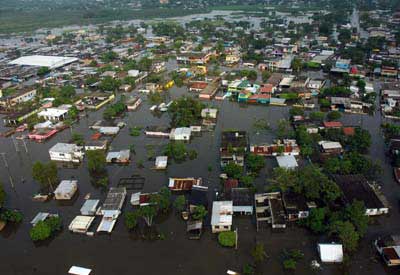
(222, 212)
(288, 162)
(331, 253)
(50, 62)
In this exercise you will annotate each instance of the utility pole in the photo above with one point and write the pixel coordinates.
(4, 159)
(15, 144)
(26, 148)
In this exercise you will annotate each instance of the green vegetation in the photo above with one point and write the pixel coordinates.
(255, 163)
(45, 174)
(180, 203)
(109, 84)
(114, 110)
(233, 170)
(131, 219)
(162, 199)
(185, 112)
(258, 253)
(291, 257)
(45, 229)
(96, 161)
(78, 139)
(135, 131)
(43, 71)
(13, 216)
(227, 238)
(176, 150)
(199, 213)
(334, 115)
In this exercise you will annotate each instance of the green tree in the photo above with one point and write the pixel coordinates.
(297, 64)
(258, 253)
(131, 220)
(355, 213)
(316, 220)
(43, 71)
(284, 129)
(334, 115)
(296, 111)
(176, 150)
(347, 233)
(41, 231)
(96, 160)
(78, 139)
(233, 170)
(248, 269)
(317, 116)
(180, 203)
(162, 199)
(109, 84)
(11, 216)
(45, 174)
(199, 213)
(148, 213)
(227, 238)
(360, 141)
(255, 163)
(185, 112)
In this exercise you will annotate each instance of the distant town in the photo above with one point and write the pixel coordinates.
(244, 139)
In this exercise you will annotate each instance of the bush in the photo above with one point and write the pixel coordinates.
(192, 154)
(45, 229)
(227, 238)
(11, 216)
(131, 220)
(334, 115)
(176, 150)
(233, 170)
(135, 131)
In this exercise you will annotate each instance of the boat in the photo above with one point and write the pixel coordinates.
(153, 108)
(41, 197)
(396, 171)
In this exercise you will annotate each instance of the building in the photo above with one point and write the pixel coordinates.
(287, 162)
(17, 97)
(296, 206)
(287, 147)
(183, 184)
(55, 114)
(270, 209)
(182, 134)
(51, 62)
(122, 156)
(161, 162)
(66, 190)
(330, 253)
(89, 208)
(389, 249)
(81, 224)
(233, 147)
(357, 187)
(242, 200)
(111, 208)
(66, 152)
(330, 147)
(221, 219)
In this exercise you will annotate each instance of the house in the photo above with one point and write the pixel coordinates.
(330, 253)
(76, 270)
(209, 113)
(330, 147)
(389, 249)
(341, 66)
(296, 206)
(356, 187)
(66, 152)
(221, 219)
(89, 208)
(122, 156)
(133, 103)
(198, 86)
(287, 162)
(157, 131)
(111, 208)
(93, 145)
(270, 209)
(42, 216)
(161, 162)
(198, 196)
(286, 147)
(183, 184)
(194, 229)
(66, 190)
(18, 97)
(55, 114)
(332, 124)
(242, 200)
(182, 133)
(233, 147)
(81, 224)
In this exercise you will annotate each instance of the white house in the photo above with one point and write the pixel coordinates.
(55, 114)
(287, 162)
(330, 253)
(221, 219)
(81, 224)
(66, 189)
(161, 162)
(66, 152)
(180, 133)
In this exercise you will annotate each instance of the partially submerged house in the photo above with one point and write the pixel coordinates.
(182, 134)
(389, 249)
(330, 253)
(357, 187)
(242, 199)
(183, 184)
(221, 219)
(66, 189)
(233, 147)
(161, 162)
(81, 224)
(288, 162)
(111, 208)
(66, 152)
(89, 208)
(270, 209)
(122, 156)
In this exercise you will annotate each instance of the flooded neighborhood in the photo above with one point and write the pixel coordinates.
(255, 139)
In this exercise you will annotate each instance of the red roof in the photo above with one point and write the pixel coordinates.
(199, 85)
(348, 131)
(333, 124)
(260, 96)
(266, 89)
(229, 184)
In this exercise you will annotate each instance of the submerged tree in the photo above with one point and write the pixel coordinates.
(148, 213)
(45, 174)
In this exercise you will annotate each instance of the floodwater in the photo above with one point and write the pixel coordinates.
(124, 253)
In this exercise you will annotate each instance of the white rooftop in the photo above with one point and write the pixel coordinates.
(76, 270)
(222, 213)
(288, 162)
(53, 112)
(50, 62)
(331, 253)
(64, 148)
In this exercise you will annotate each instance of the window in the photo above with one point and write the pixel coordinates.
(226, 227)
(216, 226)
